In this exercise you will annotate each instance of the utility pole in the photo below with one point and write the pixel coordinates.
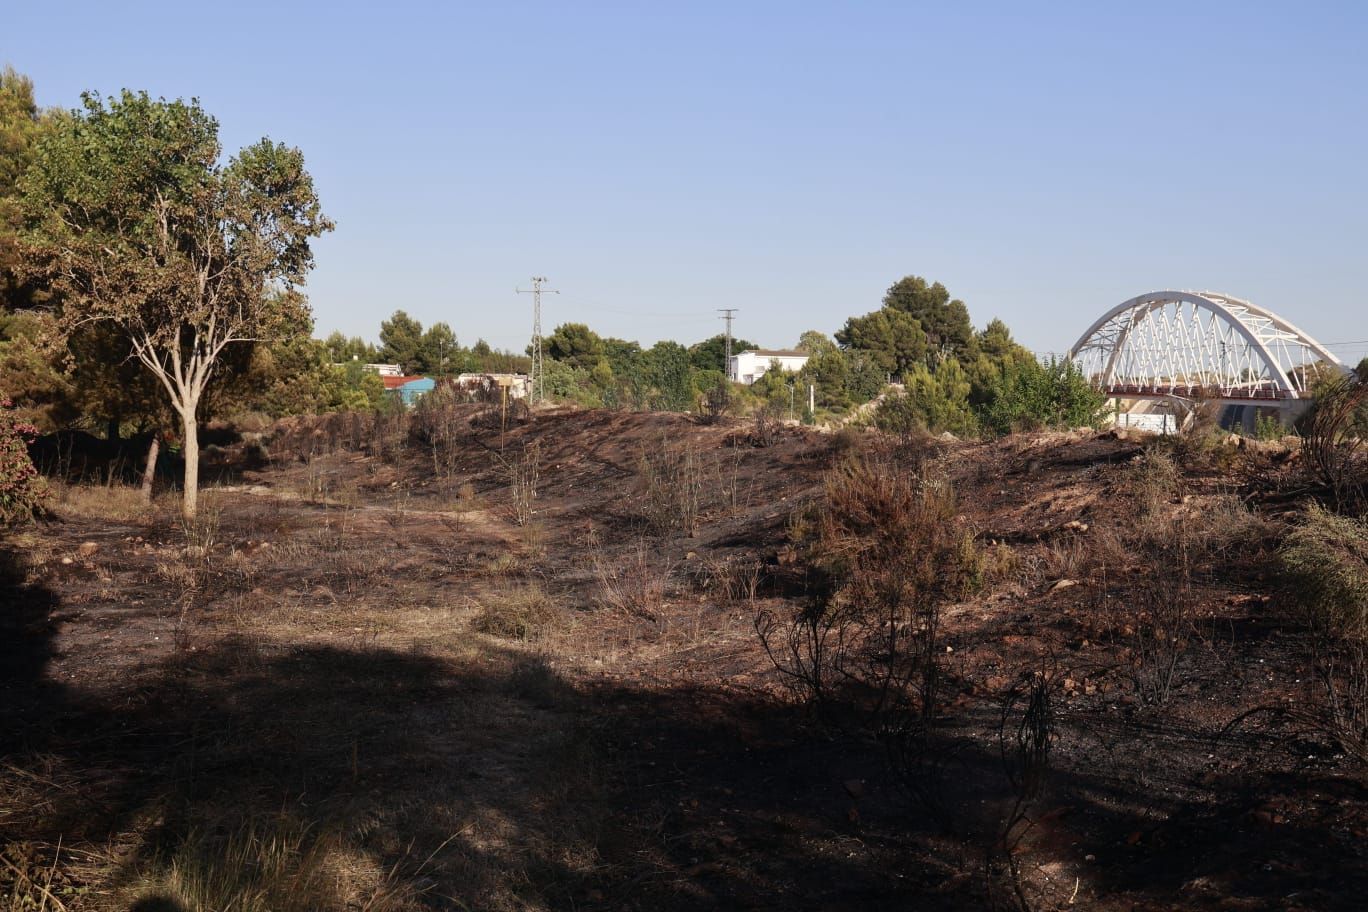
(728, 314)
(538, 387)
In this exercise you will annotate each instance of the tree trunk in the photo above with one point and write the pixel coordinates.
(112, 430)
(190, 503)
(150, 470)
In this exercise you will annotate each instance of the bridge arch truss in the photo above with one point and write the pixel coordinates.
(1199, 344)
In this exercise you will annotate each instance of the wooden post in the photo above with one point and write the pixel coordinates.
(504, 383)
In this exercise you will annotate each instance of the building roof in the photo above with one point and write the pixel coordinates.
(397, 382)
(773, 353)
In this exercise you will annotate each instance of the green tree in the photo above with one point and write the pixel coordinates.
(671, 375)
(575, 344)
(568, 383)
(893, 339)
(711, 354)
(997, 352)
(31, 372)
(814, 342)
(1030, 395)
(828, 372)
(292, 374)
(132, 217)
(438, 351)
(631, 373)
(351, 387)
(934, 401)
(22, 125)
(481, 358)
(944, 320)
(342, 349)
(776, 389)
(401, 341)
(106, 384)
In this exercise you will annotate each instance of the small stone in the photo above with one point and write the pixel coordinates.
(87, 548)
(67, 560)
(1063, 584)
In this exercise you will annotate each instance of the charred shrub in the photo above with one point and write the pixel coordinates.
(520, 467)
(1342, 708)
(885, 556)
(1025, 736)
(1332, 442)
(672, 477)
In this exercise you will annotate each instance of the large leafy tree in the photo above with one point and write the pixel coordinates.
(671, 376)
(576, 345)
(1030, 395)
(135, 220)
(439, 352)
(342, 349)
(21, 126)
(893, 339)
(401, 341)
(933, 401)
(997, 354)
(711, 354)
(944, 320)
(630, 371)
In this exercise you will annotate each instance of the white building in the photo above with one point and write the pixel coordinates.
(749, 366)
(488, 384)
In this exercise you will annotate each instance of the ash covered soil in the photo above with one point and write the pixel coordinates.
(518, 669)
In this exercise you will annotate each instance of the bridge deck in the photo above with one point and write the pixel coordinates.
(1242, 394)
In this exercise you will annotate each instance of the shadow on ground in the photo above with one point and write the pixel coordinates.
(340, 776)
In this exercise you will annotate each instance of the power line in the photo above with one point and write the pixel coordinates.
(538, 372)
(689, 314)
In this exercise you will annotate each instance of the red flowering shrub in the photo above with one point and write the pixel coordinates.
(22, 489)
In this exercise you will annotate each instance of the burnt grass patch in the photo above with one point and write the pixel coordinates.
(304, 702)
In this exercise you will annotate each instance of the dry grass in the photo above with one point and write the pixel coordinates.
(260, 864)
(521, 471)
(1327, 559)
(672, 477)
(522, 611)
(114, 502)
(635, 587)
(1155, 484)
(733, 581)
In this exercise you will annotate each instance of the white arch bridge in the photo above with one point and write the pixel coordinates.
(1188, 345)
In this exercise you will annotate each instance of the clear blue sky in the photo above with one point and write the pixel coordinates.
(1044, 161)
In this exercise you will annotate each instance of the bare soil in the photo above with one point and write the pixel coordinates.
(308, 663)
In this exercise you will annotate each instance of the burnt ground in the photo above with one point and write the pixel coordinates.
(360, 681)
